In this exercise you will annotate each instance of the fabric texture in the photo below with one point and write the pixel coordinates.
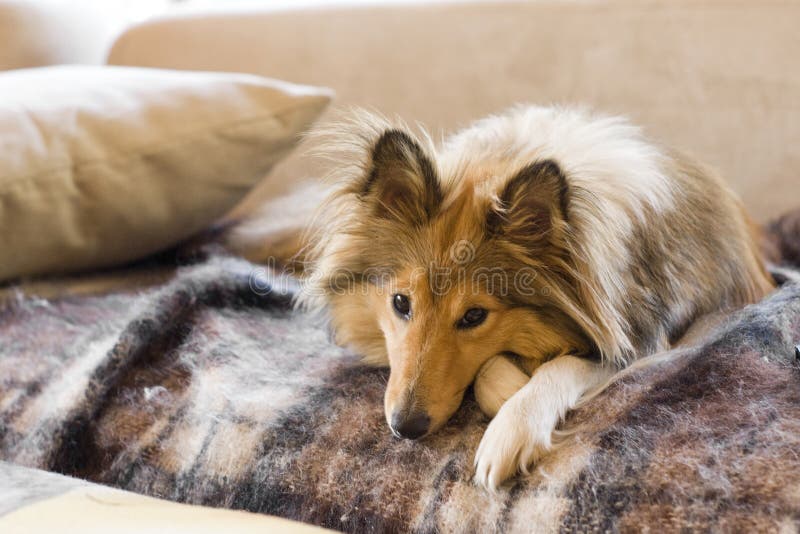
(211, 390)
(103, 165)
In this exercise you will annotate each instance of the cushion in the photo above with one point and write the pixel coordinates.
(32, 500)
(103, 165)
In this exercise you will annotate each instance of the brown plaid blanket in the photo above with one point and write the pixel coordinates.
(205, 391)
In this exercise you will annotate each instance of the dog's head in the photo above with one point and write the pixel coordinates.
(437, 274)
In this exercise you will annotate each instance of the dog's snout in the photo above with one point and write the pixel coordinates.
(410, 425)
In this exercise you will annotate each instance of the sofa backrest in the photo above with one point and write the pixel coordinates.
(719, 79)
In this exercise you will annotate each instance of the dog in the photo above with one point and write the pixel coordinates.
(534, 253)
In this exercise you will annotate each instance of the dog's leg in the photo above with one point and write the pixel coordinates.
(497, 381)
(521, 432)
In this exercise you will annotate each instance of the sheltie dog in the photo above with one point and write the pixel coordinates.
(534, 254)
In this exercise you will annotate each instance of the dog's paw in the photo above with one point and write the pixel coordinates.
(514, 440)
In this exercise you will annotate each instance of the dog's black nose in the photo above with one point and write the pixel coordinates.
(411, 426)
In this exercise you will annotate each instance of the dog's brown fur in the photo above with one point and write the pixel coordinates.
(621, 245)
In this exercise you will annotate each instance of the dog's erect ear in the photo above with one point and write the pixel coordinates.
(401, 183)
(531, 204)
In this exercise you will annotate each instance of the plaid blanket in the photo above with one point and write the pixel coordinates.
(205, 391)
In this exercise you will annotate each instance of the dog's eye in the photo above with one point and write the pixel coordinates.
(472, 318)
(402, 305)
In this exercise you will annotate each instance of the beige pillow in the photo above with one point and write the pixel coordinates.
(102, 165)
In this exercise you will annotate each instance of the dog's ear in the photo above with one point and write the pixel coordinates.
(531, 205)
(401, 183)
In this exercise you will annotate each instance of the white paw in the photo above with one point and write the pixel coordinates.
(513, 441)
